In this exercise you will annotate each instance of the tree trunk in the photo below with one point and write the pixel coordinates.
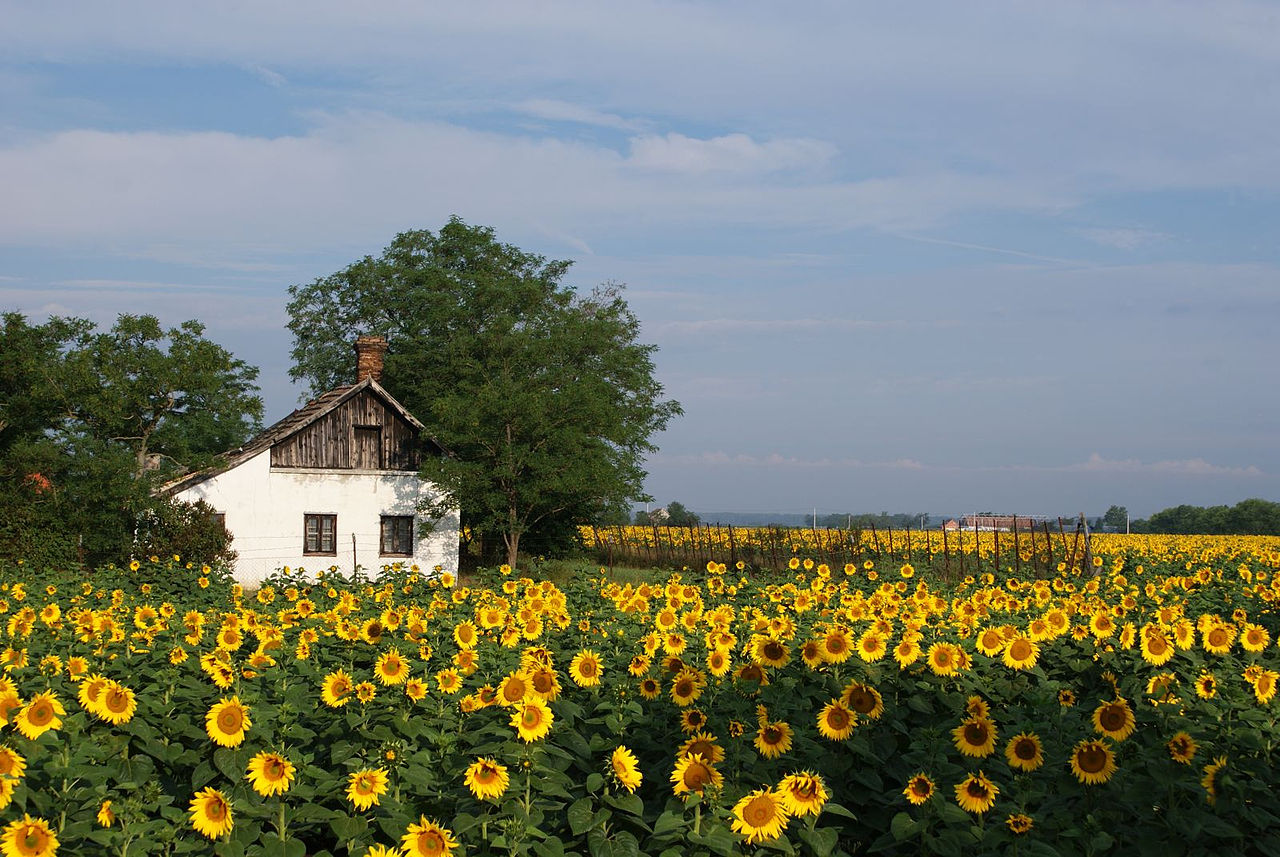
(512, 541)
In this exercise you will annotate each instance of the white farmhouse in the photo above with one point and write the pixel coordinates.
(335, 483)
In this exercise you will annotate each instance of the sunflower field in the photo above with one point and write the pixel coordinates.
(865, 709)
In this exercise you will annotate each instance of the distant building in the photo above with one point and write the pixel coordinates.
(992, 523)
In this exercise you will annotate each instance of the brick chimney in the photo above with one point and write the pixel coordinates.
(369, 351)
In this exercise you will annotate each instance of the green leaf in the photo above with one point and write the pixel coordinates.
(594, 782)
(580, 815)
(903, 827)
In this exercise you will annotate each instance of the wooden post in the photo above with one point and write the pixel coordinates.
(946, 557)
(875, 535)
(1017, 548)
(733, 550)
(995, 532)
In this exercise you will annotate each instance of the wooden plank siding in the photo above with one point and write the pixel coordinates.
(329, 442)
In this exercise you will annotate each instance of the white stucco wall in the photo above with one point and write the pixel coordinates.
(265, 509)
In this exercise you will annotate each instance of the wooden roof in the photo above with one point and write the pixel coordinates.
(293, 423)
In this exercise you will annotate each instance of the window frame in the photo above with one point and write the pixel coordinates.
(320, 519)
(384, 543)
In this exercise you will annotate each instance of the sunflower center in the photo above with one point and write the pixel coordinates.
(772, 735)
(975, 734)
(530, 718)
(215, 810)
(587, 668)
(273, 769)
(1112, 718)
(542, 682)
(861, 701)
(1025, 750)
(1217, 637)
(430, 842)
(976, 790)
(684, 687)
(1020, 650)
(40, 714)
(837, 719)
(230, 720)
(774, 651)
(117, 702)
(760, 811)
(1091, 759)
(696, 776)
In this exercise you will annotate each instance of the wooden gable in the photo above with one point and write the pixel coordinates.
(363, 432)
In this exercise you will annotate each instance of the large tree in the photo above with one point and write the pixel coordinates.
(91, 420)
(544, 399)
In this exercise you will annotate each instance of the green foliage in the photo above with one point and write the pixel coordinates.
(543, 398)
(1248, 517)
(91, 421)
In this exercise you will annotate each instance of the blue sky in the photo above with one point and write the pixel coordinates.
(908, 257)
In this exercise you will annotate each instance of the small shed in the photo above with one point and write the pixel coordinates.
(335, 483)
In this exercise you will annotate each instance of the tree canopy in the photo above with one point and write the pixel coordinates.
(91, 420)
(544, 398)
(1248, 517)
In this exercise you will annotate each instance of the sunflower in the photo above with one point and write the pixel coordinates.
(1092, 762)
(976, 794)
(1024, 752)
(702, 744)
(210, 813)
(106, 815)
(760, 816)
(1021, 653)
(465, 635)
(990, 642)
(693, 774)
(908, 650)
(773, 739)
(1155, 646)
(836, 721)
(811, 654)
(836, 647)
(366, 786)
(117, 704)
(626, 769)
(918, 789)
(415, 689)
(12, 765)
(1218, 638)
(270, 774)
(30, 837)
(1264, 686)
(90, 692)
(872, 646)
(449, 681)
(692, 720)
(803, 794)
(1066, 698)
(391, 668)
(227, 721)
(863, 699)
(1182, 748)
(1210, 779)
(1255, 638)
(1019, 823)
(427, 839)
(366, 691)
(975, 737)
(1114, 720)
(1206, 686)
(531, 719)
(770, 652)
(40, 715)
(487, 779)
(513, 689)
(335, 690)
(686, 687)
(585, 669)
(943, 659)
(650, 688)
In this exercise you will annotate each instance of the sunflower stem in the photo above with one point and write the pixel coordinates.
(697, 818)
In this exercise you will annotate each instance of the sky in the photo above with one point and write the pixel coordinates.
(943, 257)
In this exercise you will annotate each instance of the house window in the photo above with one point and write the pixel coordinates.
(397, 535)
(320, 534)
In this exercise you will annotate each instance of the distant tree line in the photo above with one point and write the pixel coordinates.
(1251, 517)
(91, 421)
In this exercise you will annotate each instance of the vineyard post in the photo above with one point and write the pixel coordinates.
(733, 550)
(946, 556)
(876, 536)
(910, 556)
(1017, 548)
(1075, 543)
(1048, 543)
(977, 549)
(1088, 547)
(995, 532)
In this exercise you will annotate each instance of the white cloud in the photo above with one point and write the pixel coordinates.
(732, 153)
(1184, 467)
(564, 111)
(1123, 238)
